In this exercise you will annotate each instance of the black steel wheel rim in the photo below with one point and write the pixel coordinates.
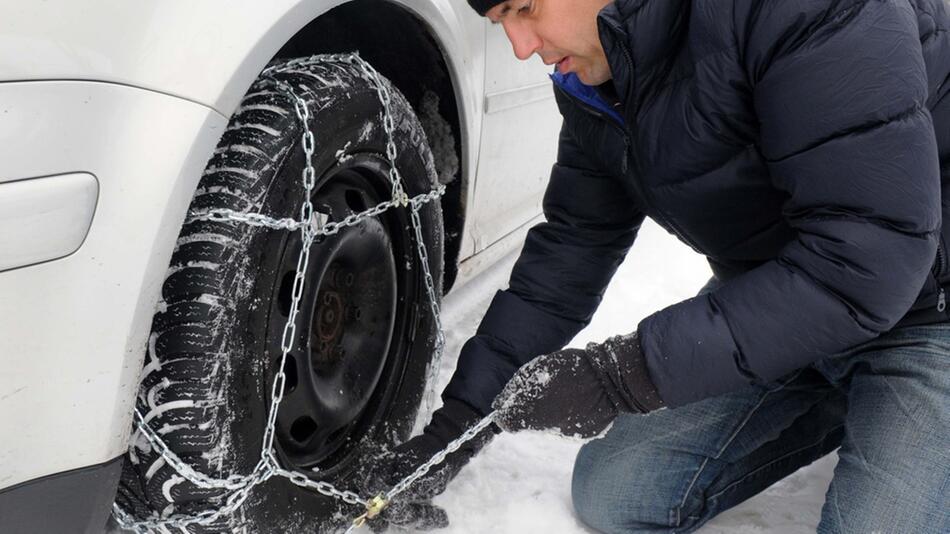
(349, 343)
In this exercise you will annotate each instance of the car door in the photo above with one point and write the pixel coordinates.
(520, 125)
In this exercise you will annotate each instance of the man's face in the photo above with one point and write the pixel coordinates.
(562, 32)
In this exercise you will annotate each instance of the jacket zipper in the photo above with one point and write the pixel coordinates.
(937, 270)
(938, 264)
(642, 191)
(597, 113)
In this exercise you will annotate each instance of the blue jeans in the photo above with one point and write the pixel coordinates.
(885, 403)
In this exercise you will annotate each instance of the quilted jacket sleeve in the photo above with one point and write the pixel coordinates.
(558, 280)
(839, 93)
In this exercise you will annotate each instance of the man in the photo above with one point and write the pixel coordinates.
(800, 145)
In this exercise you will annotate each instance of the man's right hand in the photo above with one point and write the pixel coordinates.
(412, 509)
(579, 392)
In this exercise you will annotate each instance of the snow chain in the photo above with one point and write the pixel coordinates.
(311, 224)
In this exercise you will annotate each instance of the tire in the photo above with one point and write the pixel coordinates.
(365, 333)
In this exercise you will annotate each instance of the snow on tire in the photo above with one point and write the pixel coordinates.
(365, 332)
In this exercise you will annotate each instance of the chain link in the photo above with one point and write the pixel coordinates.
(201, 480)
(325, 228)
(251, 219)
(401, 486)
(311, 224)
(439, 457)
(322, 487)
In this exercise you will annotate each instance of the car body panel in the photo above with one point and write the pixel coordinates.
(518, 142)
(75, 328)
(208, 52)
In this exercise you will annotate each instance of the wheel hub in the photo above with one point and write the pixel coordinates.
(327, 328)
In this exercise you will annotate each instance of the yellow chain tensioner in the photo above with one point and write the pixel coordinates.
(374, 507)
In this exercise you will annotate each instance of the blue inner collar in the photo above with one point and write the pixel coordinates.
(573, 86)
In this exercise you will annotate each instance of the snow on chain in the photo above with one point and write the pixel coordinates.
(311, 225)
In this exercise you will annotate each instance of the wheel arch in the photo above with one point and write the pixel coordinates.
(405, 46)
(422, 47)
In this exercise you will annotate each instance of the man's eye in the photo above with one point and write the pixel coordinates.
(525, 8)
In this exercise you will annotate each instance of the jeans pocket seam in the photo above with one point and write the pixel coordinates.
(771, 463)
(752, 411)
(676, 512)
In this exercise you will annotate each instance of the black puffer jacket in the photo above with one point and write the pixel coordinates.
(799, 145)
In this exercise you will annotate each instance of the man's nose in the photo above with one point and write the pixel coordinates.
(524, 41)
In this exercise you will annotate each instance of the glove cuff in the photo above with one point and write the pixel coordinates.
(623, 361)
(638, 381)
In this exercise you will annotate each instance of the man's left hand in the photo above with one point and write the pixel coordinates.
(413, 509)
(578, 392)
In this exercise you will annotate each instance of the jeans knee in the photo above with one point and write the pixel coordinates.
(617, 493)
(587, 490)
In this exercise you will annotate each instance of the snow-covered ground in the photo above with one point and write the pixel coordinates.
(520, 483)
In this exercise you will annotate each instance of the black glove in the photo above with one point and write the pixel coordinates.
(412, 508)
(578, 391)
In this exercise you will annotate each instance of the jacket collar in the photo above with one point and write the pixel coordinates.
(572, 85)
(641, 38)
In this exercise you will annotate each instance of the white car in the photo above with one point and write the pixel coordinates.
(125, 127)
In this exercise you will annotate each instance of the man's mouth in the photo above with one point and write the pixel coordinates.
(564, 64)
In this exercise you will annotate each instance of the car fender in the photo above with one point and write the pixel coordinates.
(208, 52)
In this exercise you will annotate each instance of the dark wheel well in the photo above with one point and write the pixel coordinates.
(401, 47)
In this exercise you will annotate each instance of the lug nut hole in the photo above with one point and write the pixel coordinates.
(303, 428)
